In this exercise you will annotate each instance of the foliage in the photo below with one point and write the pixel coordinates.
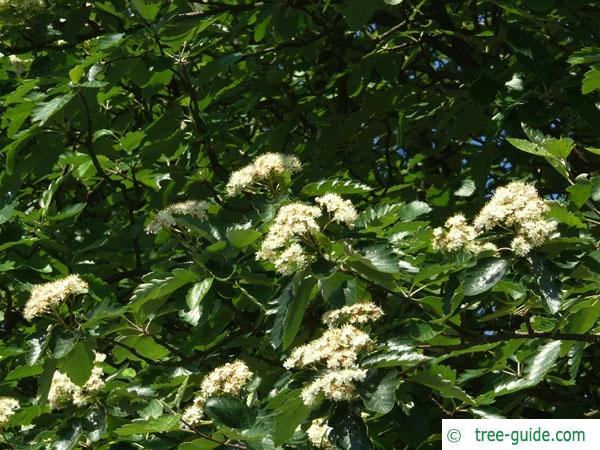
(113, 110)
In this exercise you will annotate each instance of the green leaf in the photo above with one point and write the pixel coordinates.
(336, 187)
(199, 444)
(148, 9)
(583, 316)
(289, 309)
(466, 189)
(483, 276)
(548, 285)
(288, 416)
(78, 364)
(528, 147)
(413, 210)
(591, 81)
(535, 370)
(383, 398)
(442, 385)
(160, 425)
(159, 287)
(193, 299)
(589, 55)
(580, 192)
(241, 237)
(44, 111)
(348, 429)
(229, 412)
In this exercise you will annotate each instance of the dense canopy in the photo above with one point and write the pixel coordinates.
(295, 224)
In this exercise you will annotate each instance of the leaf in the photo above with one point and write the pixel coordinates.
(336, 187)
(289, 309)
(591, 81)
(413, 210)
(466, 189)
(483, 276)
(78, 364)
(44, 111)
(587, 55)
(535, 371)
(148, 9)
(548, 285)
(580, 192)
(159, 287)
(378, 215)
(381, 258)
(288, 416)
(193, 299)
(393, 2)
(349, 432)
(442, 385)
(383, 398)
(160, 425)
(528, 147)
(199, 444)
(229, 412)
(7, 213)
(241, 237)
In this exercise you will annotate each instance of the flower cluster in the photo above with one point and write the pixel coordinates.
(293, 221)
(45, 297)
(338, 349)
(318, 434)
(458, 234)
(357, 314)
(338, 385)
(166, 217)
(340, 210)
(63, 390)
(516, 207)
(8, 407)
(262, 171)
(228, 379)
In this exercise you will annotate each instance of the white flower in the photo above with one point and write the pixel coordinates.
(291, 259)
(166, 217)
(337, 348)
(357, 314)
(292, 221)
(318, 434)
(341, 210)
(47, 296)
(262, 170)
(8, 407)
(338, 385)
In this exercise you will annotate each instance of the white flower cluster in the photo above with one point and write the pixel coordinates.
(357, 314)
(340, 210)
(458, 234)
(45, 297)
(8, 407)
(338, 350)
(166, 217)
(63, 390)
(293, 221)
(516, 206)
(338, 385)
(318, 434)
(228, 379)
(296, 221)
(261, 172)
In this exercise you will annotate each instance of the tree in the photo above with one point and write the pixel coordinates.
(262, 225)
